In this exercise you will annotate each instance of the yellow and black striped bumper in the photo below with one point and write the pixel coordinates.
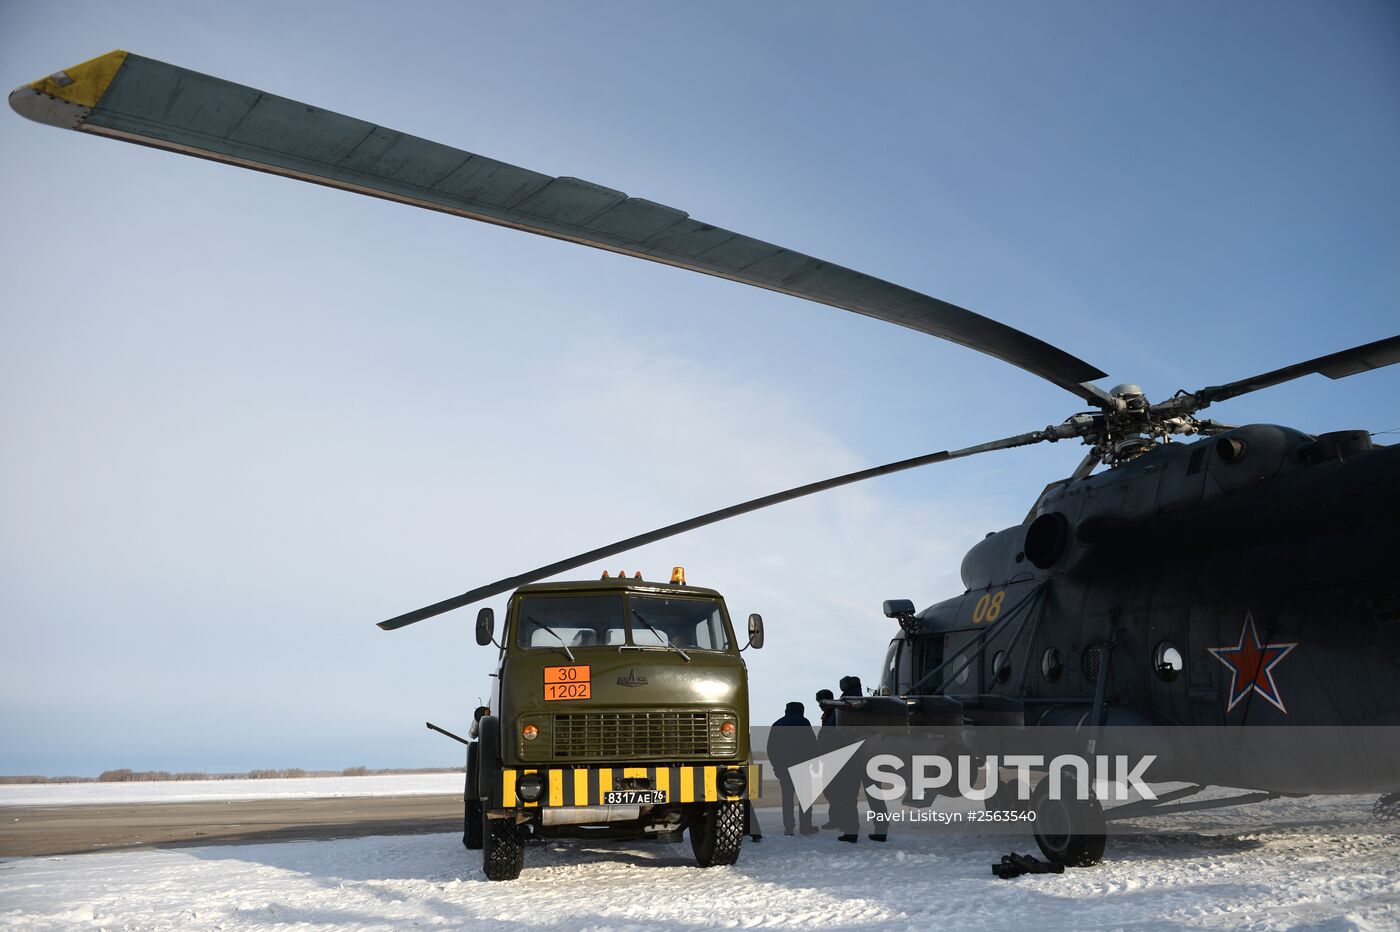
(586, 786)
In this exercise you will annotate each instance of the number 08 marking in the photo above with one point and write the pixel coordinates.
(988, 608)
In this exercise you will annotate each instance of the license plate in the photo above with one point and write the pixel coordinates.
(633, 797)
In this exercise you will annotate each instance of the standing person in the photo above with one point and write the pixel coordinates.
(824, 739)
(844, 789)
(789, 743)
(828, 715)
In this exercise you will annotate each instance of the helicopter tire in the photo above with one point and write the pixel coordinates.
(503, 849)
(1070, 831)
(716, 834)
(1006, 798)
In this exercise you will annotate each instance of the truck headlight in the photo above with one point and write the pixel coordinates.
(724, 734)
(530, 787)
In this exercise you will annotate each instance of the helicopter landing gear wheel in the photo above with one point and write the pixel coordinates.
(503, 849)
(1387, 808)
(1069, 830)
(716, 834)
(1007, 798)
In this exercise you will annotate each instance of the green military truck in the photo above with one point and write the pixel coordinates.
(620, 708)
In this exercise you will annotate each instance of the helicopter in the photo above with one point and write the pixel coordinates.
(1243, 578)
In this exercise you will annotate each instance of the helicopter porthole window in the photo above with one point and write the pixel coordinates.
(1052, 665)
(964, 675)
(1001, 666)
(1167, 662)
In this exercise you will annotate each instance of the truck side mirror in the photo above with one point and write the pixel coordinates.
(756, 632)
(485, 626)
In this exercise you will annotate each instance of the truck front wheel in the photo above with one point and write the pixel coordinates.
(472, 808)
(503, 849)
(716, 833)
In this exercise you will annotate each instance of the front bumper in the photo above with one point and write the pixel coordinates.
(587, 786)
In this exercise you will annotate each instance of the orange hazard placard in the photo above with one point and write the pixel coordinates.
(554, 691)
(576, 674)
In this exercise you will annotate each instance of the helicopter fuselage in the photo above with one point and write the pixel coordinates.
(1246, 579)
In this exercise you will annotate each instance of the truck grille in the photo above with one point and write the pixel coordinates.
(631, 735)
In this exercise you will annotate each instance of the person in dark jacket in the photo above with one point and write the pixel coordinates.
(844, 792)
(828, 715)
(791, 742)
(824, 739)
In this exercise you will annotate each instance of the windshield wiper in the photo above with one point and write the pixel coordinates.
(663, 637)
(539, 624)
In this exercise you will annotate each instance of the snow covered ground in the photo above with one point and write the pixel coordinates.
(1258, 880)
(174, 791)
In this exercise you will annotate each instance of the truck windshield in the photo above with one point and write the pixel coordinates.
(573, 622)
(691, 624)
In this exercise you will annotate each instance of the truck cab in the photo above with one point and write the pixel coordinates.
(619, 707)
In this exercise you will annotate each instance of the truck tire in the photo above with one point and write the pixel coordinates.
(472, 824)
(716, 834)
(488, 754)
(473, 787)
(472, 808)
(1070, 831)
(503, 849)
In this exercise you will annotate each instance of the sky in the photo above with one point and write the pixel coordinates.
(244, 418)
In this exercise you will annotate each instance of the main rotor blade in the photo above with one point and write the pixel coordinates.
(1363, 358)
(127, 97)
(671, 530)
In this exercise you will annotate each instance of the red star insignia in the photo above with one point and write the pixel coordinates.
(1251, 665)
